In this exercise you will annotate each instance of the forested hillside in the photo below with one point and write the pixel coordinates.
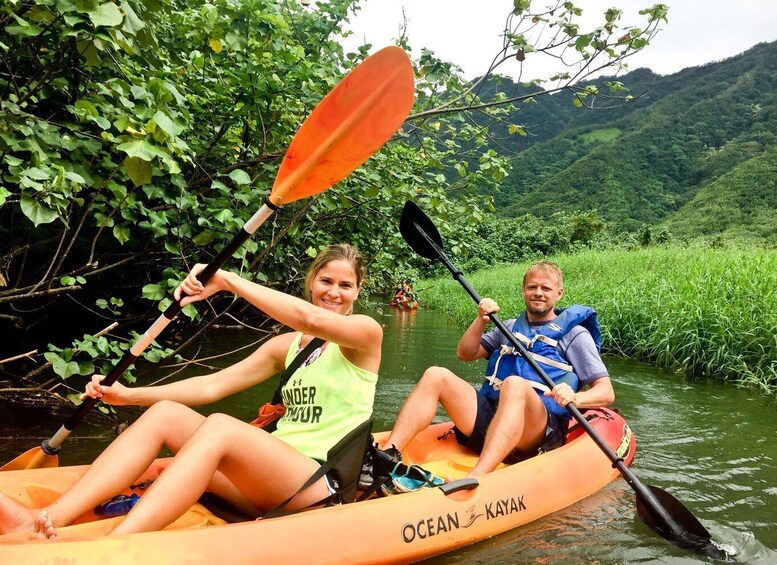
(694, 151)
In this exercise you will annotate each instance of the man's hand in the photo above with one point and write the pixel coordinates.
(563, 394)
(487, 306)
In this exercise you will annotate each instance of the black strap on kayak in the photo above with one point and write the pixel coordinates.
(314, 344)
(590, 414)
(345, 458)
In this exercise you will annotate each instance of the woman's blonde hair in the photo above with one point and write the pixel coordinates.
(336, 252)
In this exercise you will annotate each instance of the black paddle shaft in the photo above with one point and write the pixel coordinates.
(694, 536)
(170, 313)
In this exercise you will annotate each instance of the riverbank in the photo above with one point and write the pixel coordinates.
(703, 312)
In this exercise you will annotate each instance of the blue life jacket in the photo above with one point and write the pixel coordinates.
(542, 344)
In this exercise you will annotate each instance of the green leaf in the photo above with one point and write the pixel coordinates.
(153, 292)
(50, 356)
(67, 281)
(107, 14)
(37, 212)
(138, 170)
(204, 238)
(64, 368)
(224, 216)
(23, 29)
(4, 194)
(513, 129)
(153, 355)
(167, 124)
(240, 177)
(190, 311)
(75, 177)
(121, 233)
(140, 148)
(36, 173)
(131, 20)
(86, 108)
(89, 51)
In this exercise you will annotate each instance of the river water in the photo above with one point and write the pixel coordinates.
(710, 444)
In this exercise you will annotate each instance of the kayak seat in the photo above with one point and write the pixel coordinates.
(343, 465)
(346, 458)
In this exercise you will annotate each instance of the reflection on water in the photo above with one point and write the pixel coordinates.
(709, 444)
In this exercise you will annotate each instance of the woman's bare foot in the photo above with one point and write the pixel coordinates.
(15, 517)
(44, 527)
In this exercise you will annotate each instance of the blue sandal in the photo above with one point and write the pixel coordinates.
(407, 478)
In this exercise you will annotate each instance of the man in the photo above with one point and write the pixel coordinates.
(511, 418)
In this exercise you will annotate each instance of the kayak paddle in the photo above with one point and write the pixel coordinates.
(658, 509)
(351, 123)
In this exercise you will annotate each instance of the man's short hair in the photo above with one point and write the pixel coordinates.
(546, 267)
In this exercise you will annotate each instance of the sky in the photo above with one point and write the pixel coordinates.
(467, 32)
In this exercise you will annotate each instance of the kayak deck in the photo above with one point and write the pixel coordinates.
(402, 528)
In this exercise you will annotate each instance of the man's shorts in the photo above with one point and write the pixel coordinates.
(555, 432)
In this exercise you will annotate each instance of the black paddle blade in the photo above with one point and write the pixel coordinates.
(413, 225)
(693, 534)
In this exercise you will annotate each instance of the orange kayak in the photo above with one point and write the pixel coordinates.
(395, 529)
(404, 305)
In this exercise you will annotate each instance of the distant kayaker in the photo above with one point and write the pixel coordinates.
(404, 299)
(512, 418)
(245, 465)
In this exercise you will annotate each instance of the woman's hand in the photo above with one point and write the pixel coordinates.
(193, 290)
(117, 394)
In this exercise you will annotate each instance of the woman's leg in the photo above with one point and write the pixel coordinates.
(264, 469)
(124, 460)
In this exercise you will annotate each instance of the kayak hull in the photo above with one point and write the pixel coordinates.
(397, 529)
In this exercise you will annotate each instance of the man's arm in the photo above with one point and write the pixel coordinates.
(470, 348)
(596, 388)
(599, 393)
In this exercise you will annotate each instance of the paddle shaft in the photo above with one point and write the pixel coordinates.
(353, 121)
(52, 446)
(617, 462)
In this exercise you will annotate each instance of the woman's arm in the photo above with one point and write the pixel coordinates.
(357, 332)
(266, 361)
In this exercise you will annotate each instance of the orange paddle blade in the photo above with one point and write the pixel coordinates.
(352, 122)
(33, 458)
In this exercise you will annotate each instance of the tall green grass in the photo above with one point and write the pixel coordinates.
(704, 312)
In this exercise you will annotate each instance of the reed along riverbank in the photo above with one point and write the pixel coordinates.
(701, 311)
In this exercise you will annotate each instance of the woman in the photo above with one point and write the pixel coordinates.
(245, 465)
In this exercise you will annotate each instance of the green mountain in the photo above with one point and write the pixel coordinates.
(695, 151)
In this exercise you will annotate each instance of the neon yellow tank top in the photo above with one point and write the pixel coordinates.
(324, 401)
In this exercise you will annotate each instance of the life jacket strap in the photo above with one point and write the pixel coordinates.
(550, 362)
(537, 337)
(496, 383)
(507, 350)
